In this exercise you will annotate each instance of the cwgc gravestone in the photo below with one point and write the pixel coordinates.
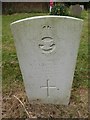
(76, 10)
(47, 49)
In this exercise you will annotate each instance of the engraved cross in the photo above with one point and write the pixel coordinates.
(47, 87)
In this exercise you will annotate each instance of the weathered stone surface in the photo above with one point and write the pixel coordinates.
(47, 49)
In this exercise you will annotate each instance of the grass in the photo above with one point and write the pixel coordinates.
(81, 72)
(11, 72)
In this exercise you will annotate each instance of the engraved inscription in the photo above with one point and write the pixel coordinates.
(46, 26)
(48, 87)
(47, 44)
(46, 38)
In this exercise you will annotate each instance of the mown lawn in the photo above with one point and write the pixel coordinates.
(12, 78)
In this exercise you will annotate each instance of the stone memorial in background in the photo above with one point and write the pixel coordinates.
(47, 48)
(76, 10)
(82, 6)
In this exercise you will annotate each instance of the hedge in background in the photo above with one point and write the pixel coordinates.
(59, 9)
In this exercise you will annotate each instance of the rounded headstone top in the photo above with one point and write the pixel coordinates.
(47, 16)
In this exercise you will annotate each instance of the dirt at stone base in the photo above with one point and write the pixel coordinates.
(12, 108)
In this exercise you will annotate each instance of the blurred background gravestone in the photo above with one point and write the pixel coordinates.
(76, 10)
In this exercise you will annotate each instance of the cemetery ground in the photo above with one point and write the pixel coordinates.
(12, 84)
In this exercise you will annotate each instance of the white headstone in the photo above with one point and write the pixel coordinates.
(47, 49)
